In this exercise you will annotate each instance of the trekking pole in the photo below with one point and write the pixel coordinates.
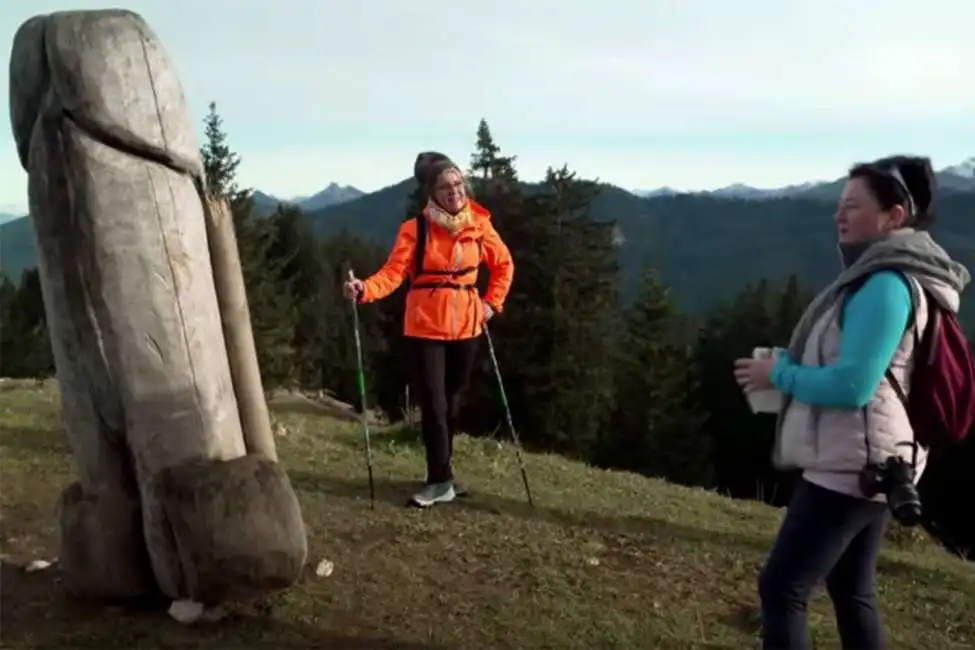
(362, 395)
(507, 414)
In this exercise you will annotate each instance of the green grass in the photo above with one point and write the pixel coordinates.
(605, 560)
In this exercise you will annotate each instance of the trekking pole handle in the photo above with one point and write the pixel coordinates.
(352, 279)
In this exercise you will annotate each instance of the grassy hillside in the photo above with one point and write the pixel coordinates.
(605, 560)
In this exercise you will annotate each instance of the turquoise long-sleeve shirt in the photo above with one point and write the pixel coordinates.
(874, 320)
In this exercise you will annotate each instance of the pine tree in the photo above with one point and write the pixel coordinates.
(760, 315)
(9, 334)
(788, 308)
(496, 187)
(271, 310)
(25, 345)
(485, 154)
(380, 331)
(573, 282)
(658, 428)
(220, 163)
(312, 285)
(492, 174)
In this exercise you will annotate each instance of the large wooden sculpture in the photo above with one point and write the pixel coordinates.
(175, 494)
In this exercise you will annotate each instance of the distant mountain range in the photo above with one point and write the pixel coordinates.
(960, 177)
(331, 195)
(17, 251)
(707, 245)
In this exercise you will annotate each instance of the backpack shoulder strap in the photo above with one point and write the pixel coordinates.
(919, 337)
(857, 284)
(911, 324)
(420, 248)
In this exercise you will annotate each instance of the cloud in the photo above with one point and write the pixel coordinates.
(349, 91)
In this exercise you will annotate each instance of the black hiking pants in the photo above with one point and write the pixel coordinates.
(440, 373)
(832, 536)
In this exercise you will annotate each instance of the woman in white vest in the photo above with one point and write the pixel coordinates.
(840, 412)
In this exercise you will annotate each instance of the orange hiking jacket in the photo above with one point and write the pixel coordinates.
(443, 302)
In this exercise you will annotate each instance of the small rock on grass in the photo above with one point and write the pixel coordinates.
(37, 565)
(324, 569)
(186, 611)
(190, 611)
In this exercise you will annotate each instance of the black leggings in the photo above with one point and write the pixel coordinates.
(828, 535)
(440, 373)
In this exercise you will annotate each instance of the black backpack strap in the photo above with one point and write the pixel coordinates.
(892, 380)
(419, 253)
(420, 248)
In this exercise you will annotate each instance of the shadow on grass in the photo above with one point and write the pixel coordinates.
(303, 406)
(403, 433)
(400, 434)
(34, 440)
(396, 492)
(906, 571)
(747, 618)
(37, 613)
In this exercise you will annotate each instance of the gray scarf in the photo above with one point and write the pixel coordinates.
(907, 250)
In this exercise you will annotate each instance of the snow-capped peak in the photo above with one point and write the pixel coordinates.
(965, 169)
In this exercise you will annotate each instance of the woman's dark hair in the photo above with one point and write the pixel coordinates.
(918, 176)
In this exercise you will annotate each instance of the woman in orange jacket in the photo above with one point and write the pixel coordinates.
(440, 251)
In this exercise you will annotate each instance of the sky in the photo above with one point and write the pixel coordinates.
(691, 94)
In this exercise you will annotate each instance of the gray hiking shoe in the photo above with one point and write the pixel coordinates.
(435, 493)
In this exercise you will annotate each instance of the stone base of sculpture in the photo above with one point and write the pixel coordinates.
(233, 540)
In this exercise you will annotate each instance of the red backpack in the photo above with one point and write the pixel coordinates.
(941, 405)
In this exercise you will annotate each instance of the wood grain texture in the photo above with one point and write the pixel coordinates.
(117, 198)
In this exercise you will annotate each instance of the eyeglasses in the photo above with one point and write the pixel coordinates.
(443, 187)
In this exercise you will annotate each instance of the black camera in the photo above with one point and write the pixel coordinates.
(895, 478)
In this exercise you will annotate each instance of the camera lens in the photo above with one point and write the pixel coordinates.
(905, 503)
